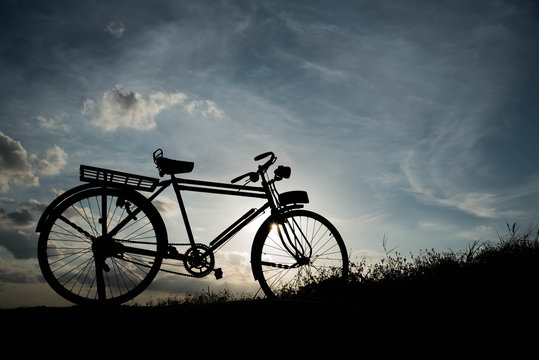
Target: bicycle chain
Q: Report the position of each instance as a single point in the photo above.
(152, 243)
(163, 270)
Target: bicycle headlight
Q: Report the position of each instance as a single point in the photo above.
(283, 172)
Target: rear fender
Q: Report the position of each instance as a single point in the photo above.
(57, 201)
(63, 197)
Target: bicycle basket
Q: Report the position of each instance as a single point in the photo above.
(106, 176)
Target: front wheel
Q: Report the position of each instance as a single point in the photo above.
(295, 249)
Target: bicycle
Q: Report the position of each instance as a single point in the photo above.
(103, 242)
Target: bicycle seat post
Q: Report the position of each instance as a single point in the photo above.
(176, 187)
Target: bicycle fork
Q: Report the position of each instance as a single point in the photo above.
(293, 243)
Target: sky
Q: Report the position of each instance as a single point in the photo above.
(411, 124)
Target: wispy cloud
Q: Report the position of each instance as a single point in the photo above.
(450, 186)
(116, 29)
(54, 124)
(206, 108)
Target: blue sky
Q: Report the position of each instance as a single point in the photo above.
(410, 120)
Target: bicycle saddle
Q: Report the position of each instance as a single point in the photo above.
(168, 166)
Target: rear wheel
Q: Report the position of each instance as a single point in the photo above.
(102, 246)
(295, 249)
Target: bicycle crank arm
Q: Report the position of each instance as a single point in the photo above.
(172, 253)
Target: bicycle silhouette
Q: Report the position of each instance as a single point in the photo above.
(104, 242)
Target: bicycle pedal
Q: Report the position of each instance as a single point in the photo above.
(218, 273)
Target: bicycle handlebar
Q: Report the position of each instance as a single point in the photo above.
(267, 164)
(255, 175)
(266, 154)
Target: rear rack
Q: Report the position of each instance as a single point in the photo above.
(106, 176)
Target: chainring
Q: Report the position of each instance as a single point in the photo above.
(199, 260)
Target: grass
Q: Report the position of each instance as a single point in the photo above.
(486, 274)
(203, 298)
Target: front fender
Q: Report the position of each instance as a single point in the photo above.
(256, 246)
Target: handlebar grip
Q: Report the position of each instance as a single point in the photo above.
(253, 176)
(261, 156)
(235, 180)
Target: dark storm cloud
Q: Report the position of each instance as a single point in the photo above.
(17, 219)
(21, 244)
(14, 164)
(19, 168)
(17, 222)
(13, 155)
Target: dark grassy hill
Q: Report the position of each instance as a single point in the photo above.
(489, 275)
(485, 291)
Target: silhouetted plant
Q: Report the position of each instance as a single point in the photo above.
(204, 297)
(501, 272)
(485, 271)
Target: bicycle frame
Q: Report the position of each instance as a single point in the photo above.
(267, 191)
(215, 188)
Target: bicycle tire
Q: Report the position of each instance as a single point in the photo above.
(72, 253)
(317, 241)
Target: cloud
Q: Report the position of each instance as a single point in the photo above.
(18, 272)
(30, 205)
(237, 279)
(166, 207)
(15, 165)
(56, 160)
(16, 226)
(116, 29)
(19, 168)
(88, 107)
(16, 219)
(206, 108)
(482, 232)
(53, 124)
(132, 110)
(20, 243)
(436, 181)
(427, 187)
